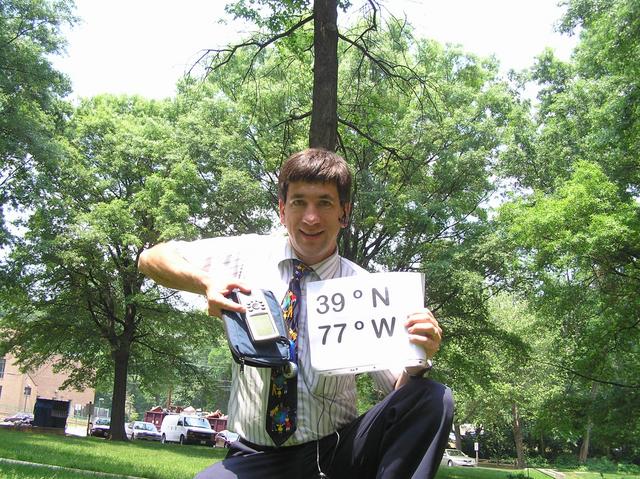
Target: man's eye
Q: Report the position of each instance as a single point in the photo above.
(297, 203)
(326, 204)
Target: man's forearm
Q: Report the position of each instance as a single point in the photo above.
(415, 371)
(403, 378)
(165, 266)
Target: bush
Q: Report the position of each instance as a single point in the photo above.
(517, 475)
(600, 464)
(628, 468)
(567, 461)
(537, 461)
(596, 464)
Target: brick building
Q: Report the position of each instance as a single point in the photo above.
(18, 391)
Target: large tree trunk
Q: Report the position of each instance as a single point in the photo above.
(586, 437)
(121, 344)
(118, 400)
(324, 111)
(456, 430)
(584, 448)
(517, 436)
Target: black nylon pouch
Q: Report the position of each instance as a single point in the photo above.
(264, 354)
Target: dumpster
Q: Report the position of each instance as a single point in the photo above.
(51, 413)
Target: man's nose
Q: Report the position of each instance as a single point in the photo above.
(311, 215)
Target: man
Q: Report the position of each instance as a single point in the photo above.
(402, 437)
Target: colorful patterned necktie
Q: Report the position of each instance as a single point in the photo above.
(283, 393)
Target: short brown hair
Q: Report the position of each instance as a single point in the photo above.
(315, 165)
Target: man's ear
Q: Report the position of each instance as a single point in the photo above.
(281, 207)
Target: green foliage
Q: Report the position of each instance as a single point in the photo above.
(219, 362)
(368, 393)
(76, 295)
(626, 468)
(581, 242)
(30, 92)
(420, 129)
(574, 227)
(577, 248)
(274, 16)
(209, 389)
(421, 138)
(600, 464)
(566, 461)
(537, 462)
(588, 108)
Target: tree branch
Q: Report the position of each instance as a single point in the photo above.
(591, 378)
(227, 53)
(388, 149)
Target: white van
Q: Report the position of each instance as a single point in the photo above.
(186, 429)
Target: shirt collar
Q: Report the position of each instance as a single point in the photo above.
(325, 269)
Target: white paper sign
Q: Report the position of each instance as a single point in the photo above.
(356, 324)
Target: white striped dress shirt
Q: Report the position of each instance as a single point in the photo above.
(325, 403)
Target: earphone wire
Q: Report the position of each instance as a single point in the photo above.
(323, 398)
(321, 474)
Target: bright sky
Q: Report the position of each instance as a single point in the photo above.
(144, 46)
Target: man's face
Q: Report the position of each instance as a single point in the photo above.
(313, 216)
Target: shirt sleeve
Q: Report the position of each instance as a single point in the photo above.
(223, 255)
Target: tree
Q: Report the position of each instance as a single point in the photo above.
(577, 246)
(31, 92)
(287, 21)
(122, 185)
(522, 381)
(420, 142)
(576, 233)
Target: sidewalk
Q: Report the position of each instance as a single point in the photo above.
(552, 473)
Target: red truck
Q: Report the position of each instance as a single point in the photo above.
(156, 415)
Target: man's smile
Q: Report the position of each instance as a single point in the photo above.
(312, 235)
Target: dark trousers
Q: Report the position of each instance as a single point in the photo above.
(402, 437)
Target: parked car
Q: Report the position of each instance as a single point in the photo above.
(101, 427)
(20, 418)
(455, 457)
(225, 438)
(186, 429)
(142, 430)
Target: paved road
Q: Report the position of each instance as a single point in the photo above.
(552, 473)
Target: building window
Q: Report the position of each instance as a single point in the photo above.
(2, 363)
(0, 391)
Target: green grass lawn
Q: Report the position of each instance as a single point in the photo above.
(153, 460)
(487, 473)
(481, 473)
(12, 471)
(597, 475)
(135, 458)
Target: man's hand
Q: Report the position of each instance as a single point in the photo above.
(424, 331)
(216, 293)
